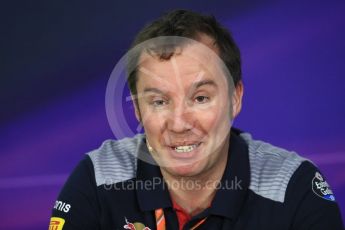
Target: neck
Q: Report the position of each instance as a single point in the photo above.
(195, 193)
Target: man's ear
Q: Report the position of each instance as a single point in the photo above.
(237, 100)
(136, 107)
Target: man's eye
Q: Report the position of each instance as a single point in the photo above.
(201, 99)
(159, 102)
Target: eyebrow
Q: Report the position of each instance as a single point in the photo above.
(195, 85)
(204, 82)
(153, 90)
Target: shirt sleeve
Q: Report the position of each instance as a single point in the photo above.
(313, 200)
(77, 206)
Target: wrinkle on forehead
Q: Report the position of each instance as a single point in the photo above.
(202, 42)
(193, 58)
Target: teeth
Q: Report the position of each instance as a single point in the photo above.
(185, 148)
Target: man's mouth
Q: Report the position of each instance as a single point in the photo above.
(185, 148)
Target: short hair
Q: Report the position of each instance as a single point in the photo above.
(189, 24)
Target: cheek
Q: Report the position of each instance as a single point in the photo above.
(153, 125)
(213, 118)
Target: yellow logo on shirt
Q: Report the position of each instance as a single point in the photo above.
(56, 223)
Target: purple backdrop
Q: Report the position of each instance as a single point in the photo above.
(58, 59)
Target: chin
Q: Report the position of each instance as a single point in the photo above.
(185, 170)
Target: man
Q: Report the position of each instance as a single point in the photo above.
(191, 169)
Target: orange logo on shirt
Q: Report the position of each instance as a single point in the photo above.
(56, 223)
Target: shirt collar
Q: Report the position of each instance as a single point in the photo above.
(152, 192)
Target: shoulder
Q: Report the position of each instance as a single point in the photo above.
(115, 160)
(271, 168)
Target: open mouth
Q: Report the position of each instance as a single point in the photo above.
(185, 148)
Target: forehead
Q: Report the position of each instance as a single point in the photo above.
(190, 62)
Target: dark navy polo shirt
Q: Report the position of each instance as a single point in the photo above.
(263, 187)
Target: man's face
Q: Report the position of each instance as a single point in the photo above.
(185, 109)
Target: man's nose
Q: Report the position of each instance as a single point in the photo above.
(180, 119)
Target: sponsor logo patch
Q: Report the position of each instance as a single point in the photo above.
(62, 206)
(135, 226)
(321, 187)
(56, 223)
